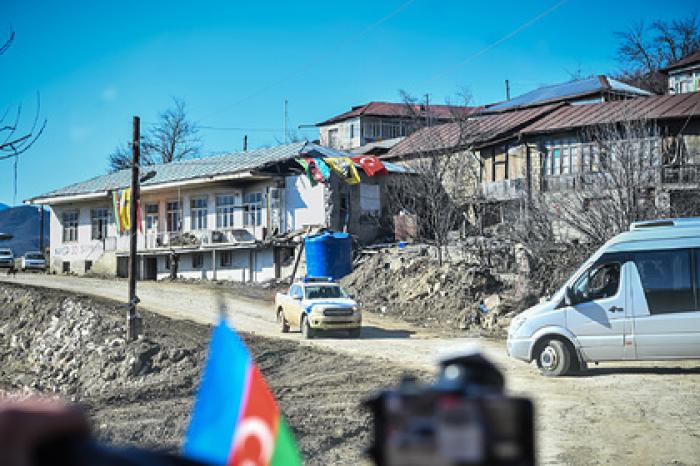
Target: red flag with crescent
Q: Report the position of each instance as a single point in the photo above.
(371, 165)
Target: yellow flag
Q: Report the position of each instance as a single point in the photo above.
(345, 168)
(125, 206)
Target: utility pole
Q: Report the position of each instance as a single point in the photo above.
(245, 143)
(286, 122)
(133, 321)
(427, 109)
(507, 90)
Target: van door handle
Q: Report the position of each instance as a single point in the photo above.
(615, 309)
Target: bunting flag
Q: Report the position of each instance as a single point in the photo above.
(371, 165)
(345, 168)
(125, 205)
(235, 420)
(323, 168)
(121, 201)
(315, 170)
(304, 164)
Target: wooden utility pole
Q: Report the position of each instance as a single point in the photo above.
(41, 229)
(133, 321)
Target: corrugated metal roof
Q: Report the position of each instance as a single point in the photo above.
(402, 110)
(205, 167)
(569, 90)
(692, 59)
(385, 145)
(662, 107)
(476, 131)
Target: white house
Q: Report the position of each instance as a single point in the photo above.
(225, 216)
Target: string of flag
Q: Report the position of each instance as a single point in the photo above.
(318, 169)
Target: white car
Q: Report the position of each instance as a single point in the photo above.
(7, 258)
(636, 298)
(33, 261)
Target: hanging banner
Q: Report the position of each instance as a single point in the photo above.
(345, 168)
(315, 170)
(115, 205)
(371, 165)
(325, 171)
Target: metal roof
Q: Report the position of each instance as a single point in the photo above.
(567, 91)
(201, 168)
(402, 110)
(692, 59)
(383, 145)
(642, 108)
(473, 132)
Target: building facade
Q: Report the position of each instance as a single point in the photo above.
(225, 218)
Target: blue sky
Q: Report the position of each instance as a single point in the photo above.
(96, 64)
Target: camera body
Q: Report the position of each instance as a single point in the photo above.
(464, 418)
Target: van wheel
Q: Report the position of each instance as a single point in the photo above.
(554, 358)
(306, 329)
(282, 322)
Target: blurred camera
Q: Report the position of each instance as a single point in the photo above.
(464, 418)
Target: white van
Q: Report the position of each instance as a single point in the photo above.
(636, 298)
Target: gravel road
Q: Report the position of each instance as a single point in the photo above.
(621, 413)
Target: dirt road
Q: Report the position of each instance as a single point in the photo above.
(623, 413)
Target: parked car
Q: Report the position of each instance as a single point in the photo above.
(315, 305)
(636, 298)
(33, 260)
(7, 258)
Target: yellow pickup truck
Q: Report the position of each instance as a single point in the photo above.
(315, 305)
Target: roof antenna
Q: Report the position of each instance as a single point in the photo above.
(507, 90)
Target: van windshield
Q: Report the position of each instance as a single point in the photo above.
(34, 256)
(5, 252)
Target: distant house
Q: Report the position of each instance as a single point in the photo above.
(226, 217)
(380, 121)
(684, 75)
(595, 89)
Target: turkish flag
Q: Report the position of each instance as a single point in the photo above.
(371, 165)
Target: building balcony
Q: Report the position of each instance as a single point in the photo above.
(504, 190)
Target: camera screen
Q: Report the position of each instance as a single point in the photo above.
(447, 429)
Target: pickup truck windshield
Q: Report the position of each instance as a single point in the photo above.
(34, 256)
(5, 252)
(324, 292)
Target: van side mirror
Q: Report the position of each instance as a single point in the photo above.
(568, 296)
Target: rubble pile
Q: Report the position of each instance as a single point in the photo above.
(415, 288)
(75, 347)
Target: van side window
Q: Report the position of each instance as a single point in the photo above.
(600, 282)
(666, 279)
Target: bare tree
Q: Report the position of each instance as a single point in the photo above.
(15, 138)
(173, 138)
(444, 174)
(643, 50)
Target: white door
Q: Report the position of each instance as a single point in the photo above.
(599, 317)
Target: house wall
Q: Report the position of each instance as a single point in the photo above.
(304, 204)
(685, 80)
(247, 265)
(348, 134)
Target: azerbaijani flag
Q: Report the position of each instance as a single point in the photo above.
(236, 420)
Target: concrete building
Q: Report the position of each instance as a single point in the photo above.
(380, 121)
(684, 75)
(225, 217)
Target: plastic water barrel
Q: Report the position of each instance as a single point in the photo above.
(328, 254)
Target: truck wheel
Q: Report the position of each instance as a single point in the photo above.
(355, 332)
(554, 358)
(306, 329)
(282, 322)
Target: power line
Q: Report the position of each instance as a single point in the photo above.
(503, 39)
(302, 70)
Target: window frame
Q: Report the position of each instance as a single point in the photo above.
(70, 238)
(199, 213)
(102, 227)
(170, 217)
(199, 263)
(253, 209)
(226, 211)
(620, 261)
(693, 265)
(223, 255)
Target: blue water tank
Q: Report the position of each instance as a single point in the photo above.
(328, 254)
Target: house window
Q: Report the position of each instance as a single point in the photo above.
(152, 217)
(351, 130)
(198, 213)
(226, 259)
(197, 260)
(99, 218)
(253, 209)
(333, 137)
(225, 207)
(70, 226)
(174, 216)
